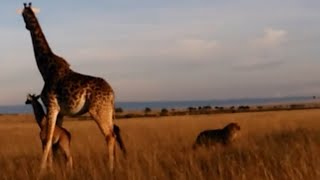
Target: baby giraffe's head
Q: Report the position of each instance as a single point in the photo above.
(31, 98)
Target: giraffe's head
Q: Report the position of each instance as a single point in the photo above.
(32, 98)
(29, 17)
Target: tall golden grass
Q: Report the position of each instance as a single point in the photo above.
(272, 145)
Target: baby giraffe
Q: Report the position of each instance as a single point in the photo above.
(61, 137)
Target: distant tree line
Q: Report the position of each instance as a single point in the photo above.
(148, 112)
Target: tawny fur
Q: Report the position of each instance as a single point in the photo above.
(223, 136)
(61, 137)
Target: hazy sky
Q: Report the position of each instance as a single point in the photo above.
(170, 50)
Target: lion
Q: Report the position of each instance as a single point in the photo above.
(218, 136)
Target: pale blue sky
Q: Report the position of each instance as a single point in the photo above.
(170, 50)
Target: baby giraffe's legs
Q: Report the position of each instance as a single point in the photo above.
(64, 145)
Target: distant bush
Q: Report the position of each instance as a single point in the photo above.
(179, 113)
(147, 110)
(164, 112)
(207, 107)
(297, 106)
(220, 108)
(129, 116)
(243, 107)
(119, 110)
(132, 115)
(277, 107)
(192, 109)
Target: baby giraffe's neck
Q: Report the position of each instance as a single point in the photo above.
(39, 114)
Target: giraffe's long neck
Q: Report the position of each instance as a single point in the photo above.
(51, 66)
(38, 113)
(40, 45)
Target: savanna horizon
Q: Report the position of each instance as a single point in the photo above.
(272, 145)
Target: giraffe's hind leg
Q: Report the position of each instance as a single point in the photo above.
(103, 115)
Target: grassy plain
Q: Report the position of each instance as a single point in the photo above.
(272, 145)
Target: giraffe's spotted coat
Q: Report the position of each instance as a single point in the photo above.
(67, 92)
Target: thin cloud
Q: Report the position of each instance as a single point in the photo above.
(192, 48)
(271, 38)
(263, 52)
(183, 49)
(259, 66)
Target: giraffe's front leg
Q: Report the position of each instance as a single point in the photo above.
(52, 114)
(50, 156)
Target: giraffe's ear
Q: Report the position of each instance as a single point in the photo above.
(29, 96)
(19, 11)
(35, 10)
(30, 4)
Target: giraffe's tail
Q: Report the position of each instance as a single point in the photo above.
(116, 130)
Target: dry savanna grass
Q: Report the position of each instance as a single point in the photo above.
(272, 145)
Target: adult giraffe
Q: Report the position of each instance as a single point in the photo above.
(67, 92)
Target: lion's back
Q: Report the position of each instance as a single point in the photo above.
(208, 137)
